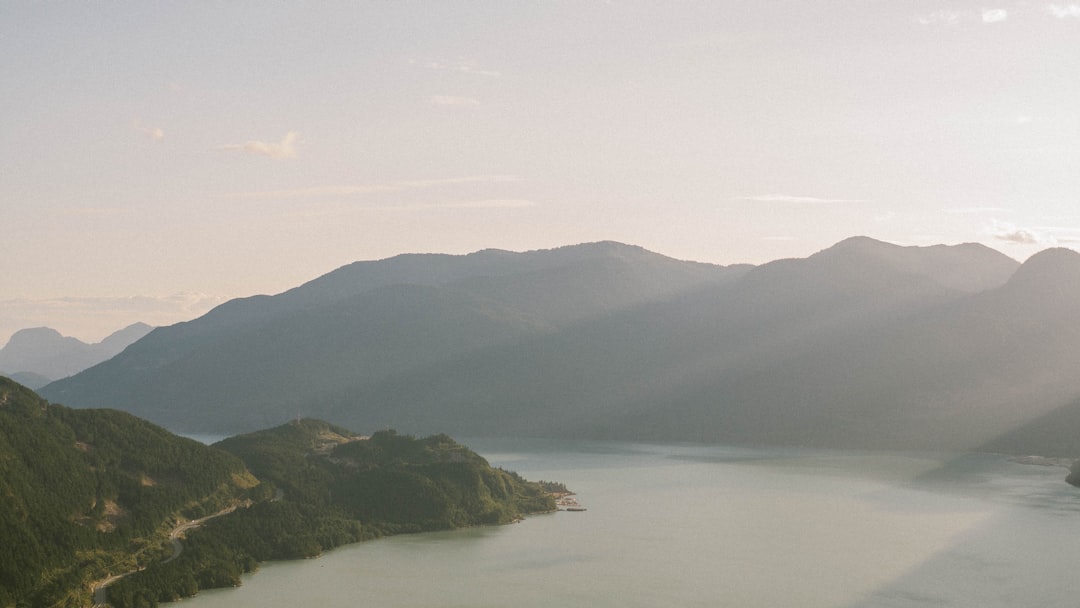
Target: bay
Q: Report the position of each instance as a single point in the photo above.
(679, 525)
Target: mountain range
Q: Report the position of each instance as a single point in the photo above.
(34, 357)
(864, 344)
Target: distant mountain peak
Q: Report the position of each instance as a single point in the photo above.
(862, 242)
(968, 267)
(1055, 266)
(38, 338)
(45, 353)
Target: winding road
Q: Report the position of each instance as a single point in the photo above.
(100, 587)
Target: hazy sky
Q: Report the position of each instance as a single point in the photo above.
(158, 157)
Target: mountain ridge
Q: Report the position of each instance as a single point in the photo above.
(862, 344)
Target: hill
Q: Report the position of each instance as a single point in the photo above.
(88, 492)
(39, 355)
(93, 493)
(864, 344)
(324, 486)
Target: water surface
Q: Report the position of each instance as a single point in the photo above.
(672, 525)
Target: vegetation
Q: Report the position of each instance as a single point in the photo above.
(93, 493)
(87, 492)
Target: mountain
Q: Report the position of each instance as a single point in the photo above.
(47, 355)
(91, 494)
(266, 357)
(863, 344)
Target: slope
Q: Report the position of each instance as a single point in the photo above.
(658, 370)
(360, 325)
(87, 492)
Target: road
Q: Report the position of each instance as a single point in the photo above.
(100, 587)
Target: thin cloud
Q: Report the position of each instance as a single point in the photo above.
(286, 148)
(349, 191)
(91, 211)
(949, 18)
(498, 203)
(941, 17)
(154, 133)
(453, 100)
(799, 200)
(1010, 233)
(462, 65)
(975, 210)
(1062, 11)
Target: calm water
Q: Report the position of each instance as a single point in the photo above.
(716, 526)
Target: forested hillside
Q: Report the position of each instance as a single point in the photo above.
(89, 492)
(93, 493)
(323, 486)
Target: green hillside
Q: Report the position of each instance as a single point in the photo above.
(88, 494)
(323, 486)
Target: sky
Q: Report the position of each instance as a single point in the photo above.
(159, 158)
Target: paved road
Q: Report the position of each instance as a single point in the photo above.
(175, 535)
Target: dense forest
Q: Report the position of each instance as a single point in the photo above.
(94, 493)
(87, 493)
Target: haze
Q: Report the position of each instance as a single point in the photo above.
(160, 158)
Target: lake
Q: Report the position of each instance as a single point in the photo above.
(678, 525)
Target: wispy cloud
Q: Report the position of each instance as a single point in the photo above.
(1061, 11)
(975, 210)
(948, 18)
(286, 148)
(941, 17)
(347, 191)
(1008, 232)
(453, 100)
(462, 65)
(799, 200)
(154, 133)
(498, 203)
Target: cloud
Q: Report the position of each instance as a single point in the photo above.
(154, 133)
(92, 211)
(462, 65)
(453, 100)
(942, 17)
(284, 149)
(1061, 11)
(950, 18)
(800, 200)
(1008, 232)
(975, 210)
(349, 191)
(498, 203)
